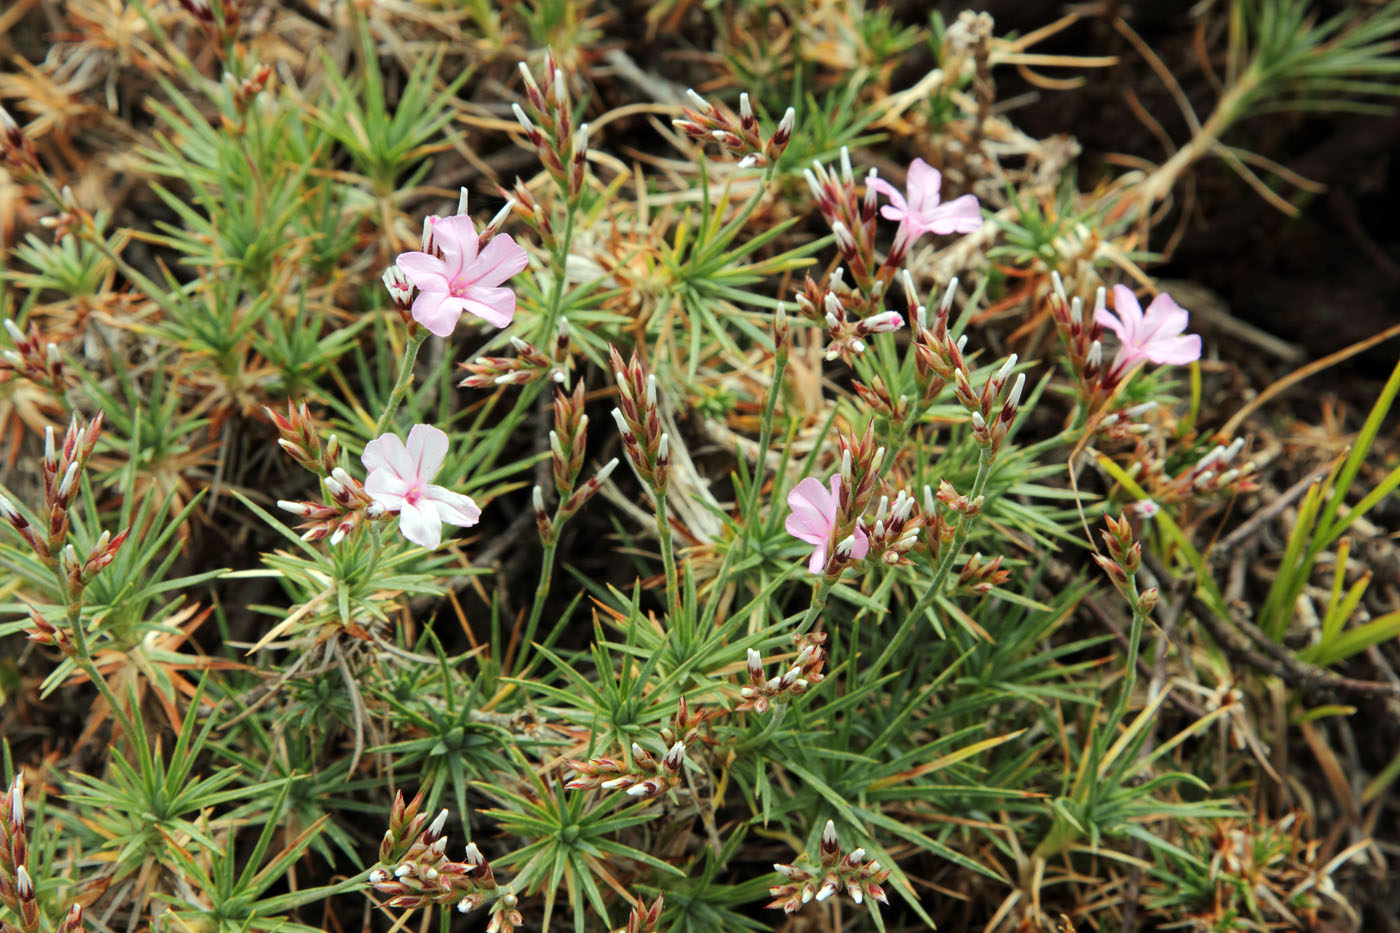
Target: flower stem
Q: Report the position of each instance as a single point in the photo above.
(82, 657)
(402, 382)
(765, 437)
(960, 535)
(541, 594)
(668, 561)
(818, 604)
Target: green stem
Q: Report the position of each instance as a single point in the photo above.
(1134, 646)
(818, 604)
(83, 658)
(402, 382)
(541, 594)
(765, 437)
(960, 535)
(769, 728)
(556, 288)
(668, 562)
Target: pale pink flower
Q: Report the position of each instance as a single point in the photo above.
(1157, 335)
(922, 212)
(399, 478)
(464, 279)
(813, 519)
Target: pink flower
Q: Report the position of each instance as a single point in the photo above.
(813, 519)
(463, 279)
(398, 480)
(922, 212)
(1156, 335)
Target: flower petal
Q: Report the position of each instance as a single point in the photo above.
(387, 453)
(1164, 319)
(386, 489)
(1129, 312)
(427, 446)
(429, 273)
(501, 259)
(923, 184)
(817, 562)
(805, 527)
(421, 524)
(495, 306)
(1107, 318)
(861, 547)
(1176, 351)
(811, 498)
(438, 312)
(960, 215)
(456, 237)
(453, 507)
(897, 201)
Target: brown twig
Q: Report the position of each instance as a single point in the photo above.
(1248, 643)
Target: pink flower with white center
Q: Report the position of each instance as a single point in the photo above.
(1157, 336)
(464, 279)
(923, 212)
(398, 480)
(813, 519)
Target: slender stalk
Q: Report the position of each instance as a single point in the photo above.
(402, 382)
(668, 561)
(83, 658)
(541, 594)
(765, 437)
(770, 728)
(960, 535)
(553, 310)
(819, 596)
(1134, 646)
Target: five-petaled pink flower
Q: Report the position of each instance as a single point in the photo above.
(922, 212)
(463, 279)
(398, 480)
(813, 519)
(1157, 335)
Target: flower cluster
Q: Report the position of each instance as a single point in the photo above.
(567, 442)
(839, 872)
(16, 151)
(831, 520)
(1123, 562)
(804, 671)
(530, 364)
(400, 480)
(455, 273)
(740, 134)
(17, 890)
(414, 870)
(39, 362)
(647, 775)
(638, 420)
(918, 210)
(1154, 336)
(547, 119)
(297, 434)
(62, 474)
(846, 336)
(895, 531)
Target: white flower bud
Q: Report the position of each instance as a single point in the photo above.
(786, 124)
(602, 475)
